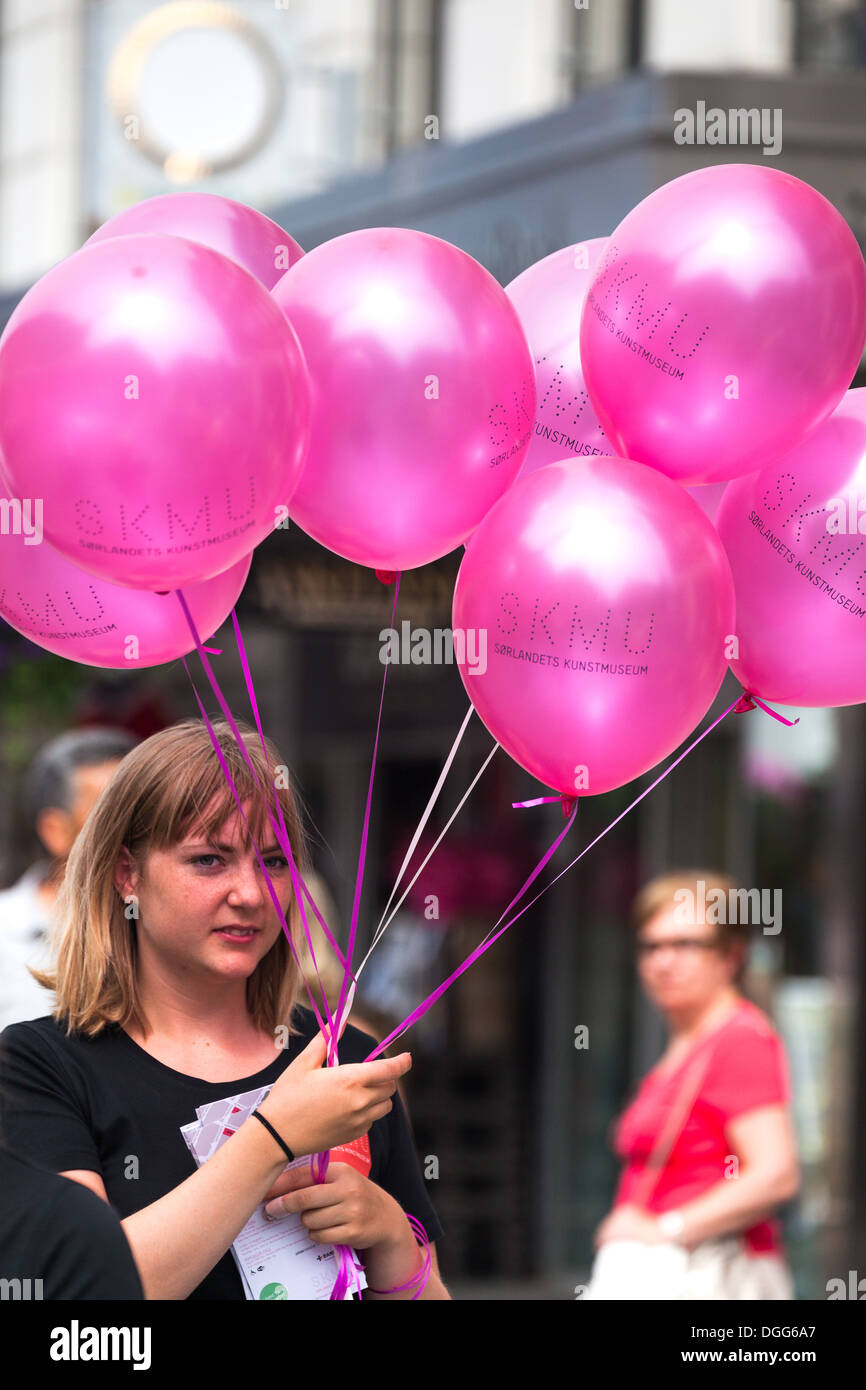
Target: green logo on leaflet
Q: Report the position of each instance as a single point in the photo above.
(274, 1291)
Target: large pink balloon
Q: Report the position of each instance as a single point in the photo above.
(605, 598)
(549, 297)
(725, 320)
(795, 534)
(423, 394)
(63, 609)
(157, 401)
(244, 235)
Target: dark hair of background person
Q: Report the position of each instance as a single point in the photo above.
(49, 781)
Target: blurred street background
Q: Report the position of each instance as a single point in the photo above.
(511, 129)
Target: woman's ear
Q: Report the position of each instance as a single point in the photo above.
(126, 873)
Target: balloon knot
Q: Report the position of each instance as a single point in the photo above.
(386, 576)
(568, 805)
(744, 703)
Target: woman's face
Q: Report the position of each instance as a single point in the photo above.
(681, 967)
(204, 909)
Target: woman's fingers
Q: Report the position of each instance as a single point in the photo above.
(382, 1071)
(374, 1095)
(321, 1194)
(333, 1235)
(379, 1110)
(320, 1219)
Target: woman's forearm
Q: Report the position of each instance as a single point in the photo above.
(177, 1240)
(735, 1203)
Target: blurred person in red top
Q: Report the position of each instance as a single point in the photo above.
(691, 960)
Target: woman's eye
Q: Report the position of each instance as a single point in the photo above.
(208, 861)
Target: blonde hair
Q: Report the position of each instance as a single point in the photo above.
(157, 796)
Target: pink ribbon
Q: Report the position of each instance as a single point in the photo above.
(567, 802)
(748, 701)
(742, 703)
(348, 1262)
(349, 1265)
(418, 1281)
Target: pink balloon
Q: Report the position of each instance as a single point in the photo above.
(725, 320)
(549, 297)
(708, 497)
(795, 534)
(239, 232)
(157, 401)
(423, 394)
(604, 598)
(65, 610)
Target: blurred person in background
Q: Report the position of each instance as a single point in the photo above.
(707, 1143)
(62, 784)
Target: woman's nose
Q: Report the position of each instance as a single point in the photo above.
(246, 885)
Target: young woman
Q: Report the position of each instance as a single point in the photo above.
(176, 986)
(717, 1101)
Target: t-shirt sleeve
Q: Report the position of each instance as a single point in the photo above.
(401, 1172)
(86, 1252)
(748, 1071)
(43, 1106)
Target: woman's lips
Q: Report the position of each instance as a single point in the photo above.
(241, 936)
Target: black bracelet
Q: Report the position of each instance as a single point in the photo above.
(282, 1143)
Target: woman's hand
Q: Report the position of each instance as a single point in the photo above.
(315, 1108)
(345, 1209)
(629, 1223)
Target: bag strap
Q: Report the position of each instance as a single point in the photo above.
(678, 1117)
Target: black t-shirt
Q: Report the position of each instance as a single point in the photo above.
(106, 1105)
(57, 1232)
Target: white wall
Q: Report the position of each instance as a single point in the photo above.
(40, 122)
(747, 35)
(502, 63)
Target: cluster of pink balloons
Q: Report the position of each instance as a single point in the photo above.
(711, 337)
(155, 406)
(190, 378)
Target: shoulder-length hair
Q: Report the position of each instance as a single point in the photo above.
(168, 786)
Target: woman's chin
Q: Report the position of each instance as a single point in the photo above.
(231, 964)
(672, 999)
